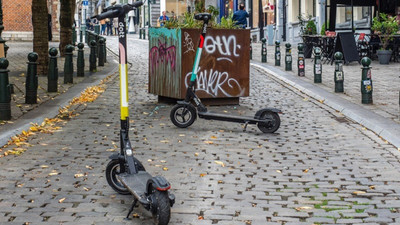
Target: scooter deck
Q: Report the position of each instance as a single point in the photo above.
(136, 183)
(225, 117)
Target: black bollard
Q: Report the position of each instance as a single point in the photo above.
(80, 36)
(52, 77)
(92, 57)
(339, 75)
(74, 37)
(5, 92)
(101, 51)
(80, 65)
(366, 81)
(68, 65)
(31, 84)
(105, 50)
(301, 62)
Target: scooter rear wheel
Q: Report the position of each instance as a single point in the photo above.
(162, 212)
(183, 116)
(272, 125)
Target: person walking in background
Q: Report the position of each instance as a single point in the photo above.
(240, 16)
(109, 27)
(163, 18)
(115, 25)
(103, 26)
(49, 27)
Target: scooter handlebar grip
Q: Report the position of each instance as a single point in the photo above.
(136, 4)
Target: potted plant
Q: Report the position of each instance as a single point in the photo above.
(308, 27)
(385, 27)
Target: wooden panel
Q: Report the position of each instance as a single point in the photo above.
(165, 62)
(224, 65)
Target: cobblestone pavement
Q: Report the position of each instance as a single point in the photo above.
(319, 168)
(18, 56)
(385, 78)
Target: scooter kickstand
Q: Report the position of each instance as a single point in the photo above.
(131, 209)
(245, 126)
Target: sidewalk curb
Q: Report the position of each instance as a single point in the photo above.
(385, 128)
(50, 108)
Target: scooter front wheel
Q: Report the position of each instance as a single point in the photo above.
(112, 171)
(183, 116)
(162, 211)
(273, 123)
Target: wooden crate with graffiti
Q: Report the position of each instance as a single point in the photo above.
(224, 66)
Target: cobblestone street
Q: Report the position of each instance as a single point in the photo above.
(318, 168)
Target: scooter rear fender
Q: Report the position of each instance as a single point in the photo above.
(159, 183)
(259, 112)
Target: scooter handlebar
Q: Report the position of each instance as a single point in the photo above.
(117, 10)
(109, 14)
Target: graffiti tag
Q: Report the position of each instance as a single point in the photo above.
(188, 43)
(212, 83)
(226, 46)
(162, 55)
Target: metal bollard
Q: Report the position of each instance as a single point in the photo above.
(68, 65)
(5, 92)
(74, 37)
(300, 61)
(92, 56)
(101, 52)
(339, 75)
(31, 84)
(80, 65)
(140, 33)
(87, 37)
(277, 53)
(366, 81)
(251, 51)
(105, 50)
(144, 33)
(52, 77)
(97, 28)
(317, 65)
(288, 57)
(264, 50)
(80, 36)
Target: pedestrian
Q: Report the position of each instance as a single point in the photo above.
(109, 27)
(115, 25)
(163, 18)
(240, 16)
(103, 26)
(49, 27)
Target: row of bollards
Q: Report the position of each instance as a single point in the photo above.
(31, 84)
(366, 79)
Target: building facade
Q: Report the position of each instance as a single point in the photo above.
(17, 19)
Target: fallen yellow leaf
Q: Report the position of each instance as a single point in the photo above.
(220, 163)
(61, 200)
(202, 174)
(359, 192)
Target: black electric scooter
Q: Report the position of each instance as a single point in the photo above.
(183, 114)
(124, 173)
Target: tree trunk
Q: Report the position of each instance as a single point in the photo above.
(40, 34)
(66, 22)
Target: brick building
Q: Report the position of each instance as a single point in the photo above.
(17, 19)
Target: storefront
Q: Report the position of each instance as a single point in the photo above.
(357, 14)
